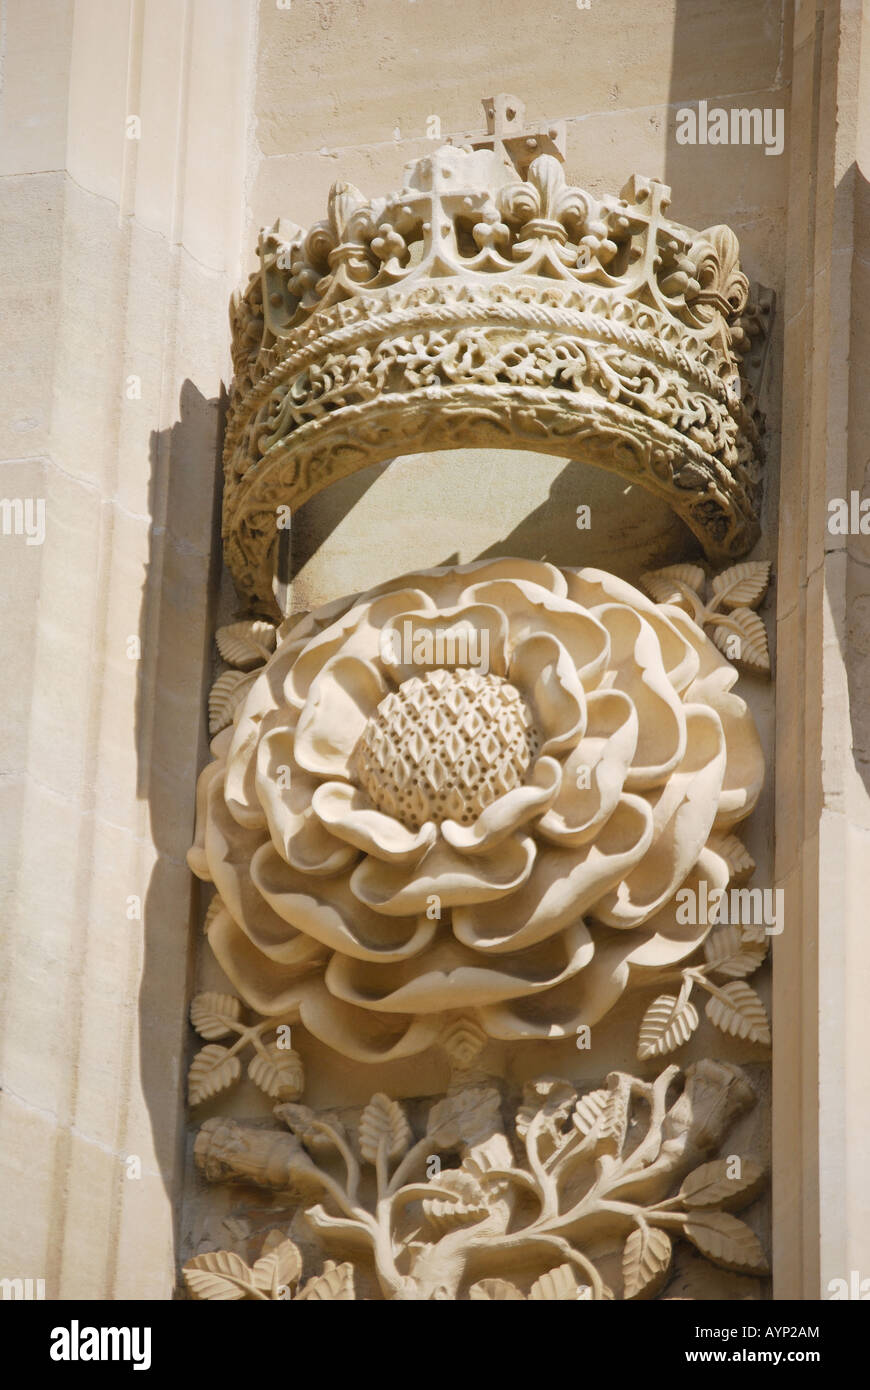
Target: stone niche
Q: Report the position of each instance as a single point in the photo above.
(481, 1008)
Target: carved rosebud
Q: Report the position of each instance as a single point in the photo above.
(225, 1151)
(715, 1095)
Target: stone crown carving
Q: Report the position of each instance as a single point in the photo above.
(490, 302)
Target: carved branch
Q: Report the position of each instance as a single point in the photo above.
(472, 1218)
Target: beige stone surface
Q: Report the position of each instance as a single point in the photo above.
(118, 259)
(821, 972)
(460, 505)
(618, 97)
(338, 951)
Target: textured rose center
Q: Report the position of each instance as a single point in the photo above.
(444, 746)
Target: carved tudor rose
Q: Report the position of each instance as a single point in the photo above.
(397, 835)
(468, 804)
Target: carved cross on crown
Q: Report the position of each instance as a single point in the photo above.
(507, 134)
(438, 198)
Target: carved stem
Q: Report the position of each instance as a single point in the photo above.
(350, 1163)
(409, 1163)
(546, 1183)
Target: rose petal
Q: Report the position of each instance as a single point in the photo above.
(220, 744)
(263, 983)
(355, 633)
(272, 991)
(361, 1034)
(508, 812)
(469, 636)
(604, 754)
(593, 588)
(531, 611)
(744, 770)
(196, 856)
(563, 885)
(327, 910)
(636, 660)
(683, 812)
(561, 1011)
(664, 941)
(541, 668)
(540, 573)
(449, 584)
(446, 875)
(262, 709)
(349, 814)
(450, 977)
(230, 852)
(285, 792)
(341, 700)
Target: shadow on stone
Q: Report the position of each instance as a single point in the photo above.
(176, 626)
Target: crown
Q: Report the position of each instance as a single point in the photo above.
(489, 302)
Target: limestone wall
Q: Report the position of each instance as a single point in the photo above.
(121, 243)
(118, 258)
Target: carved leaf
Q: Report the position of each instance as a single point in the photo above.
(383, 1122)
(444, 1215)
(558, 1285)
(219, 1275)
(736, 856)
(742, 586)
(495, 1289)
(667, 1024)
(246, 644)
(588, 1109)
(479, 1163)
(209, 1014)
(753, 650)
(613, 1124)
(279, 1075)
(280, 1265)
(646, 1260)
(664, 585)
(468, 1116)
(711, 1186)
(274, 1238)
(754, 933)
(728, 954)
(742, 1016)
(211, 1071)
(227, 693)
(726, 1241)
(333, 1284)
